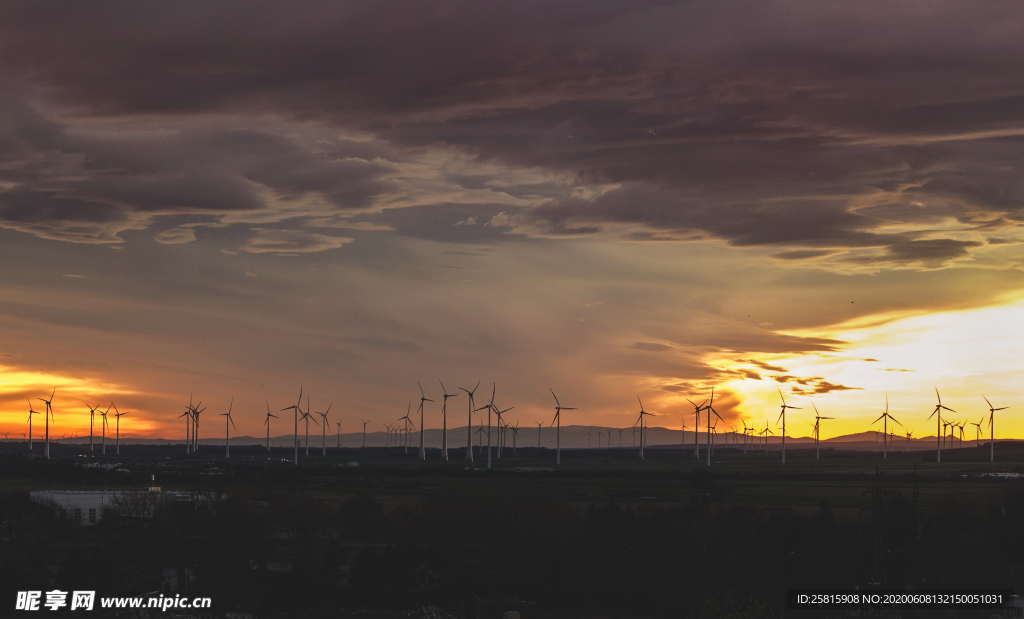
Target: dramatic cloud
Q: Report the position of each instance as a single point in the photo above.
(825, 131)
(610, 196)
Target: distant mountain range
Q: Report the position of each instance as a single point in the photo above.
(572, 437)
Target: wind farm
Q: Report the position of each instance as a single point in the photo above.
(497, 430)
(817, 475)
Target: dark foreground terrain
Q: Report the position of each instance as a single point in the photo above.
(378, 534)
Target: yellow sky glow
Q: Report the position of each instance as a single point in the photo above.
(966, 354)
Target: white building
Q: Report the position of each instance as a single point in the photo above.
(83, 507)
(87, 507)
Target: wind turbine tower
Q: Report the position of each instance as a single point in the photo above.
(992, 429)
(470, 404)
(423, 399)
(229, 421)
(266, 422)
(697, 408)
(709, 409)
(295, 408)
(640, 420)
(782, 416)
(884, 418)
(817, 431)
(939, 429)
(30, 413)
(117, 429)
(47, 415)
(323, 429)
(444, 419)
(557, 421)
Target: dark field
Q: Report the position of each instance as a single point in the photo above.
(606, 535)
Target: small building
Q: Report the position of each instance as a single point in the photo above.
(87, 507)
(83, 507)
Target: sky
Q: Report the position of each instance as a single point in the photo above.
(607, 198)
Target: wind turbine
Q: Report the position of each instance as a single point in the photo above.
(746, 435)
(188, 425)
(364, 432)
(977, 430)
(323, 429)
(228, 419)
(338, 423)
(198, 410)
(640, 420)
(884, 418)
(498, 412)
(937, 413)
(307, 416)
(423, 399)
(30, 413)
(470, 403)
(697, 408)
(266, 422)
(92, 417)
(557, 421)
(711, 439)
(817, 431)
(992, 428)
(682, 433)
(782, 416)
(117, 429)
(46, 417)
(710, 408)
(540, 424)
(444, 419)
(406, 422)
(766, 433)
(515, 438)
(103, 426)
(295, 432)
(489, 407)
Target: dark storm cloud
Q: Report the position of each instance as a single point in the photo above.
(762, 123)
(63, 183)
